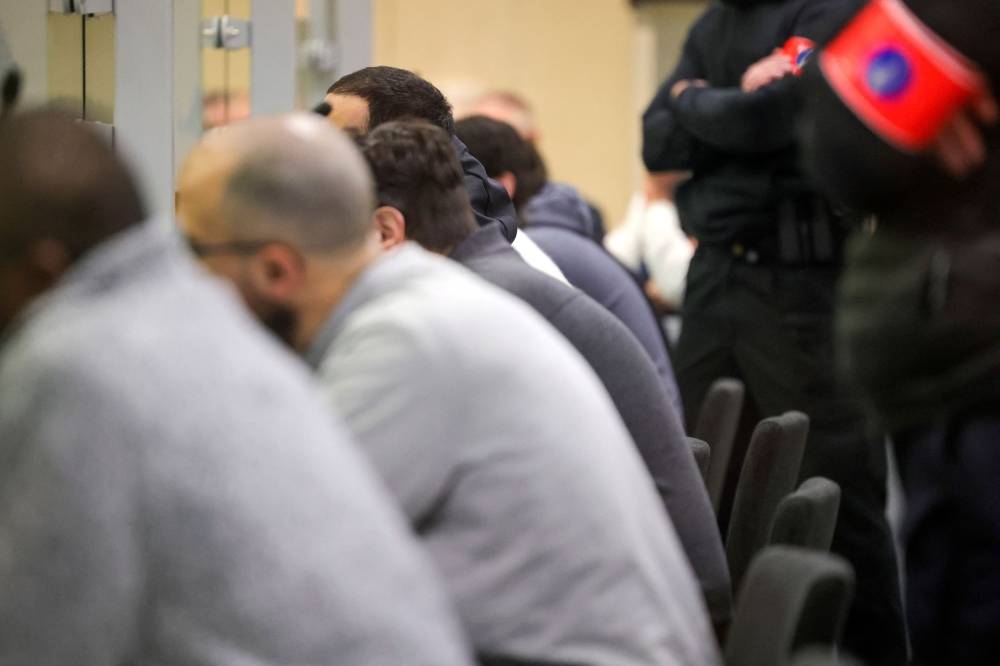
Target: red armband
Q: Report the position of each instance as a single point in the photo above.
(798, 50)
(899, 77)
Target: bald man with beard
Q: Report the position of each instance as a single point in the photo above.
(510, 462)
(171, 489)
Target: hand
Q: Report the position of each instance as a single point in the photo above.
(660, 186)
(766, 71)
(661, 305)
(960, 147)
(684, 84)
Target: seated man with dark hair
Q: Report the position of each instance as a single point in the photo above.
(421, 198)
(558, 217)
(363, 100)
(172, 490)
(509, 459)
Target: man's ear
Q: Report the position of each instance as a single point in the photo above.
(509, 182)
(391, 226)
(278, 272)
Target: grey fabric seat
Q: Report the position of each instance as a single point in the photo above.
(702, 455)
(792, 597)
(717, 423)
(807, 517)
(770, 471)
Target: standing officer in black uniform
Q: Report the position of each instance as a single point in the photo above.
(760, 294)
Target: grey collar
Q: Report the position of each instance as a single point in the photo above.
(381, 277)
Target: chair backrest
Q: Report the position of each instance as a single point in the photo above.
(807, 517)
(791, 598)
(717, 423)
(770, 471)
(702, 455)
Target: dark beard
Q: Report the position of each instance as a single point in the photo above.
(282, 321)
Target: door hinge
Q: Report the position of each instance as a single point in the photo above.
(225, 32)
(83, 7)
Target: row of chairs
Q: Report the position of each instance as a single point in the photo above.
(791, 592)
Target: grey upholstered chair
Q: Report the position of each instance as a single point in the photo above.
(770, 471)
(717, 423)
(807, 517)
(792, 597)
(702, 455)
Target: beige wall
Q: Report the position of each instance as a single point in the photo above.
(661, 29)
(588, 66)
(573, 59)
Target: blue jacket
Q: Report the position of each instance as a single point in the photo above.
(560, 222)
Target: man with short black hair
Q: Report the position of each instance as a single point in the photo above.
(390, 93)
(421, 198)
(171, 489)
(363, 100)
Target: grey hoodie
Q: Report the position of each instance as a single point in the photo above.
(171, 491)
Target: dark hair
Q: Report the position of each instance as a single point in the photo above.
(393, 94)
(501, 149)
(61, 181)
(417, 172)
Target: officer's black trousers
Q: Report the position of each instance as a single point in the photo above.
(771, 326)
(951, 475)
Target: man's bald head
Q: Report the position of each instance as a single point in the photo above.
(291, 178)
(508, 107)
(281, 207)
(61, 183)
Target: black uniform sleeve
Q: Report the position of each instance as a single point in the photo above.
(737, 122)
(764, 120)
(852, 164)
(848, 162)
(666, 146)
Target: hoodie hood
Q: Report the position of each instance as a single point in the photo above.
(560, 205)
(489, 199)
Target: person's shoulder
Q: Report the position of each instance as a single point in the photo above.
(431, 305)
(819, 20)
(707, 19)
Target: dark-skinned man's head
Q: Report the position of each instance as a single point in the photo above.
(62, 192)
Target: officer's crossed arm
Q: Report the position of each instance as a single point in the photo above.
(735, 121)
(666, 145)
(758, 116)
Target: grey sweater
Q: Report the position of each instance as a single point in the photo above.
(171, 491)
(508, 456)
(630, 378)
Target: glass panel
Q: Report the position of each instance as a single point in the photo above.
(238, 73)
(99, 77)
(215, 100)
(225, 74)
(65, 61)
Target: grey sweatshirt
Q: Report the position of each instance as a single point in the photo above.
(171, 490)
(509, 458)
